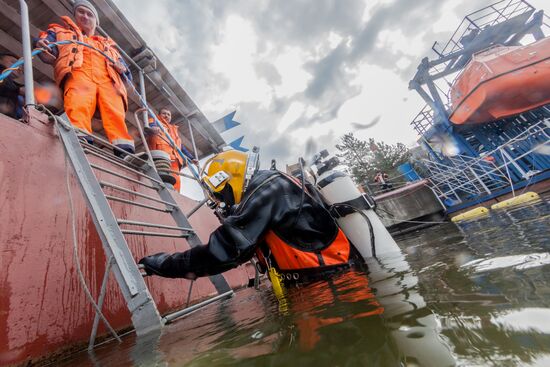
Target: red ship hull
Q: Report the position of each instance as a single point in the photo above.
(43, 309)
(502, 82)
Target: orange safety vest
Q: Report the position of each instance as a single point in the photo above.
(289, 257)
(161, 142)
(71, 55)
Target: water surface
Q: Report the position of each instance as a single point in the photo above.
(476, 294)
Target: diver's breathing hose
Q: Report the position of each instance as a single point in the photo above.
(37, 51)
(371, 229)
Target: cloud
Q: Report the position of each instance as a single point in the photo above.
(313, 54)
(358, 126)
(305, 22)
(328, 72)
(268, 72)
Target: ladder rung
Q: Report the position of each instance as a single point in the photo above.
(171, 317)
(119, 188)
(122, 176)
(105, 143)
(144, 224)
(122, 166)
(114, 198)
(155, 234)
(108, 154)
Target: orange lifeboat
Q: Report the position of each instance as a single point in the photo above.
(502, 81)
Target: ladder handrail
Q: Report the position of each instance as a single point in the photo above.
(144, 313)
(26, 42)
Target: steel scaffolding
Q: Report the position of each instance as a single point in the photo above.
(486, 157)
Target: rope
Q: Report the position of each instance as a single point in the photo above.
(76, 258)
(530, 178)
(527, 185)
(414, 221)
(35, 52)
(508, 173)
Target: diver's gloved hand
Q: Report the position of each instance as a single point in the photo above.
(176, 265)
(153, 264)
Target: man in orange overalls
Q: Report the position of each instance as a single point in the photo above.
(88, 79)
(158, 141)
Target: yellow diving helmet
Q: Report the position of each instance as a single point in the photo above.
(227, 174)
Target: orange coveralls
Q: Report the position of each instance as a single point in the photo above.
(89, 81)
(160, 142)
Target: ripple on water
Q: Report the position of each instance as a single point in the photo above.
(473, 294)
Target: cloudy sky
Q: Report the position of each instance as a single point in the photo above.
(301, 73)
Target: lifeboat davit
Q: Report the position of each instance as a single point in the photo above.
(502, 81)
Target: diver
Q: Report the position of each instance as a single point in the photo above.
(264, 212)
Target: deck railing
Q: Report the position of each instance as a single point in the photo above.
(461, 177)
(488, 16)
(423, 121)
(26, 37)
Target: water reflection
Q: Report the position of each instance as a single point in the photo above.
(525, 319)
(476, 294)
(488, 283)
(414, 328)
(518, 262)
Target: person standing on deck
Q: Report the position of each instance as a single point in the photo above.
(87, 78)
(382, 179)
(157, 141)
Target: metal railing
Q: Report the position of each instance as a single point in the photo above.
(26, 41)
(463, 177)
(488, 16)
(423, 121)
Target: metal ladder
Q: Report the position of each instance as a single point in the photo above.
(144, 313)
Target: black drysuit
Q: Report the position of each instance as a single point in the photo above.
(271, 201)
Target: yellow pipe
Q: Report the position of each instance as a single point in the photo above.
(521, 199)
(471, 214)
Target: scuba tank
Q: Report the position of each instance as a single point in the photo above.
(353, 211)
